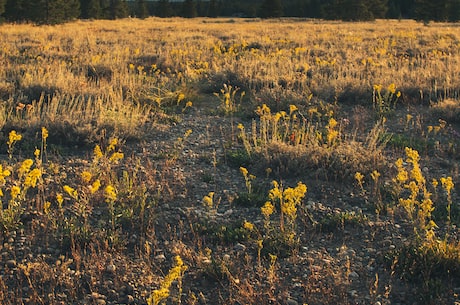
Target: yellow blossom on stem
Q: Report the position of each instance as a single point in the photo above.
(59, 199)
(86, 176)
(113, 143)
(267, 209)
(71, 191)
(447, 184)
(392, 88)
(248, 225)
(3, 174)
(116, 156)
(32, 178)
(25, 167)
(292, 109)
(13, 137)
(93, 188)
(208, 200)
(15, 191)
(44, 133)
(97, 152)
(110, 193)
(46, 207)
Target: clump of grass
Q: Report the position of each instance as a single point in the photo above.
(427, 258)
(447, 109)
(291, 143)
(338, 221)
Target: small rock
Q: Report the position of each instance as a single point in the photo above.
(11, 263)
(353, 275)
(160, 257)
(129, 299)
(353, 293)
(239, 247)
(110, 268)
(291, 302)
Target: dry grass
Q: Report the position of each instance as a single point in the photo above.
(93, 82)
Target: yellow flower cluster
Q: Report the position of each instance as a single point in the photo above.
(71, 191)
(175, 274)
(267, 209)
(13, 137)
(208, 200)
(288, 200)
(32, 178)
(25, 167)
(248, 225)
(15, 192)
(447, 184)
(3, 173)
(110, 194)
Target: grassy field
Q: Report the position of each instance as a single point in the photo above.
(230, 161)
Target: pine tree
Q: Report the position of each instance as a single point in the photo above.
(189, 9)
(378, 8)
(15, 10)
(164, 9)
(425, 10)
(118, 9)
(454, 11)
(90, 9)
(141, 9)
(2, 7)
(271, 9)
(212, 11)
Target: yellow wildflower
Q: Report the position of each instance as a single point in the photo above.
(331, 135)
(97, 152)
(412, 155)
(392, 88)
(3, 174)
(59, 199)
(248, 225)
(378, 88)
(267, 209)
(71, 191)
(86, 176)
(208, 200)
(434, 182)
(359, 178)
(15, 191)
(46, 207)
(447, 184)
(44, 133)
(25, 167)
(110, 193)
(375, 175)
(408, 118)
(116, 156)
(402, 176)
(13, 137)
(113, 143)
(332, 123)
(37, 153)
(93, 188)
(244, 171)
(32, 178)
(292, 109)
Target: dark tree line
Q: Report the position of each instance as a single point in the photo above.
(56, 11)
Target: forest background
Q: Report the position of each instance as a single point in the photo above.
(58, 11)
